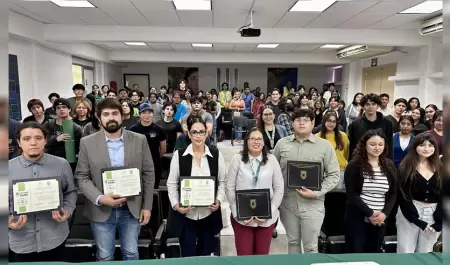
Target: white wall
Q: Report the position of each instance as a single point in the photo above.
(41, 71)
(256, 75)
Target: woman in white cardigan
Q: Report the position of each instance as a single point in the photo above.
(254, 168)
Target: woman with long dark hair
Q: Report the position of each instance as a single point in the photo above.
(354, 109)
(303, 102)
(430, 109)
(318, 108)
(437, 123)
(284, 119)
(419, 221)
(254, 168)
(418, 116)
(413, 103)
(371, 188)
(257, 105)
(403, 139)
(339, 140)
(272, 132)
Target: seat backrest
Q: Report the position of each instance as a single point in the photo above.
(251, 123)
(335, 207)
(156, 218)
(240, 121)
(226, 116)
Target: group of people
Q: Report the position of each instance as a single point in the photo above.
(370, 151)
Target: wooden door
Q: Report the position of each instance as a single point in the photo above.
(372, 80)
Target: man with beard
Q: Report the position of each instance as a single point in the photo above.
(114, 147)
(39, 237)
(197, 110)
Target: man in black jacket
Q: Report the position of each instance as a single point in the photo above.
(370, 120)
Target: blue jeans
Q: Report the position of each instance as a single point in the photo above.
(105, 235)
(238, 135)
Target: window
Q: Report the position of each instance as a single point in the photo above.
(77, 74)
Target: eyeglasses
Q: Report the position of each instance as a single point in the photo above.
(302, 120)
(254, 139)
(331, 121)
(198, 133)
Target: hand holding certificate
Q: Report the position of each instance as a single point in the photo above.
(197, 191)
(36, 195)
(124, 182)
(253, 205)
(304, 174)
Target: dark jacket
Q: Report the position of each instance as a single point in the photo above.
(359, 127)
(394, 121)
(56, 148)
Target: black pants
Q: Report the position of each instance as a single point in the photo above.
(56, 254)
(197, 237)
(363, 237)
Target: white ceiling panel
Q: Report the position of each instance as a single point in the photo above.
(161, 47)
(142, 48)
(124, 12)
(93, 16)
(269, 12)
(396, 21)
(410, 26)
(196, 18)
(338, 13)
(221, 47)
(392, 7)
(244, 47)
(182, 47)
(27, 13)
(286, 47)
(307, 47)
(230, 13)
(297, 19)
(158, 12)
(113, 45)
(52, 12)
(362, 20)
(203, 49)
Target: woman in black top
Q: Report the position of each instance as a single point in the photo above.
(418, 116)
(419, 221)
(271, 132)
(128, 118)
(371, 188)
(82, 113)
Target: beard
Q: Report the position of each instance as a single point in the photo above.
(112, 126)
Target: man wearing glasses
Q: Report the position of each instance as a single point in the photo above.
(302, 210)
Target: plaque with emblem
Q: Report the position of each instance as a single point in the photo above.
(253, 203)
(306, 174)
(197, 191)
(36, 195)
(122, 181)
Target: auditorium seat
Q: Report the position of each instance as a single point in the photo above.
(332, 239)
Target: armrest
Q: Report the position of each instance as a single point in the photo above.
(161, 230)
(322, 235)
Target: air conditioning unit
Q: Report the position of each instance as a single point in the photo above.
(431, 26)
(362, 51)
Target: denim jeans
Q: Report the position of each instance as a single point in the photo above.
(105, 235)
(410, 237)
(238, 134)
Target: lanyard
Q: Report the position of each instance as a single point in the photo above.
(271, 138)
(255, 173)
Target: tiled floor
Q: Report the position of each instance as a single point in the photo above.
(278, 246)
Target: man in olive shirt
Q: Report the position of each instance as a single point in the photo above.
(39, 237)
(302, 210)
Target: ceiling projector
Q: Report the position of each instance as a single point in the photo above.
(250, 32)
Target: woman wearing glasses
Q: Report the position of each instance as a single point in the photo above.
(271, 132)
(254, 168)
(196, 227)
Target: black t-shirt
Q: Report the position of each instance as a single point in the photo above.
(33, 119)
(171, 129)
(128, 123)
(155, 135)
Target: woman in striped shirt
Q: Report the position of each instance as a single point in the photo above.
(371, 187)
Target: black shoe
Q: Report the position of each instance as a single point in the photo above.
(274, 234)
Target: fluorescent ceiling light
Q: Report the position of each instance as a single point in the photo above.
(332, 46)
(267, 46)
(77, 3)
(312, 5)
(426, 7)
(192, 4)
(202, 45)
(135, 43)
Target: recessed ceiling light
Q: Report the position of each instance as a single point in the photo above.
(312, 5)
(267, 46)
(426, 7)
(202, 45)
(135, 43)
(78, 3)
(192, 4)
(332, 46)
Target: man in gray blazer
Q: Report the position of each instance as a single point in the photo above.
(114, 147)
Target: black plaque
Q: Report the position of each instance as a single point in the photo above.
(253, 203)
(306, 174)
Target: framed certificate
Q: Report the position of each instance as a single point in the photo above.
(122, 181)
(253, 203)
(306, 174)
(36, 195)
(197, 191)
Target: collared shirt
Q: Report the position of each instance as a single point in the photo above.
(248, 101)
(197, 170)
(386, 111)
(311, 149)
(116, 151)
(41, 232)
(240, 176)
